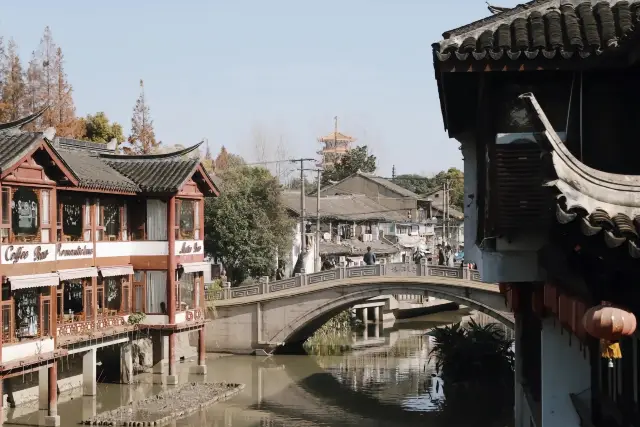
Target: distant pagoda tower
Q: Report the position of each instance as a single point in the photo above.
(336, 144)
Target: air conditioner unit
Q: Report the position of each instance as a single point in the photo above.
(326, 236)
(367, 238)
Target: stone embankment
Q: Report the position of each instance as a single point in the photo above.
(166, 406)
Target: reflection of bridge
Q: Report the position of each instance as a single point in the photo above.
(289, 311)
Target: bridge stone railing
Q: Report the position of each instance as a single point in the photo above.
(382, 269)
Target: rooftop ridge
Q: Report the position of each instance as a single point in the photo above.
(79, 145)
(23, 121)
(159, 156)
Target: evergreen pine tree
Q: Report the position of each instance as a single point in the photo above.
(142, 139)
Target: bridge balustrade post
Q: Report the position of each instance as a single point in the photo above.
(264, 282)
(383, 267)
(465, 272)
(226, 290)
(343, 270)
(422, 269)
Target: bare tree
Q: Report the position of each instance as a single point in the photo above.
(272, 151)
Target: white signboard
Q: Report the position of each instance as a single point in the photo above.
(76, 250)
(189, 247)
(24, 254)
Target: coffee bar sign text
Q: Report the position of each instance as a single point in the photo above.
(22, 254)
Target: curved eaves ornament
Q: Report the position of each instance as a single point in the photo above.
(584, 187)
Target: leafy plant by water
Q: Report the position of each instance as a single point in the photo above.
(476, 365)
(334, 337)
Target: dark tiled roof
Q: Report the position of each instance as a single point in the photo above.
(356, 247)
(94, 173)
(543, 28)
(14, 145)
(156, 172)
(380, 181)
(345, 208)
(616, 230)
(391, 186)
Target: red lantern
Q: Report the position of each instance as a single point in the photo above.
(609, 323)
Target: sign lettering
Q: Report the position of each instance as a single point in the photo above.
(70, 251)
(27, 253)
(189, 248)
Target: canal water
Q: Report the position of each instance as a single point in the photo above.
(384, 378)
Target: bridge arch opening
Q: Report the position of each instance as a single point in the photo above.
(297, 332)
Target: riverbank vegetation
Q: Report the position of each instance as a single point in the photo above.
(476, 365)
(334, 337)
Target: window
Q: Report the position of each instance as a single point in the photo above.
(156, 220)
(111, 218)
(25, 214)
(70, 213)
(187, 291)
(156, 292)
(138, 291)
(188, 219)
(113, 292)
(6, 215)
(111, 223)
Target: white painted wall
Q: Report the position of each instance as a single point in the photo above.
(26, 349)
(295, 252)
(119, 249)
(181, 317)
(156, 319)
(565, 369)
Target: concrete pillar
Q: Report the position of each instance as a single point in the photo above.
(43, 388)
(377, 327)
(53, 419)
(126, 363)
(565, 371)
(172, 378)
(201, 368)
(89, 370)
(376, 314)
(365, 332)
(89, 407)
(157, 343)
(519, 391)
(365, 315)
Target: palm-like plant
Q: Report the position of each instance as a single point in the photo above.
(476, 365)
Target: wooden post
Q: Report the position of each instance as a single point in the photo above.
(171, 265)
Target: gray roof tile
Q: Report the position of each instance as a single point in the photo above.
(156, 172)
(94, 173)
(346, 208)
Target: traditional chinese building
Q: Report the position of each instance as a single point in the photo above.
(90, 240)
(336, 144)
(543, 98)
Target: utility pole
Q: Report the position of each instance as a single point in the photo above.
(303, 208)
(318, 261)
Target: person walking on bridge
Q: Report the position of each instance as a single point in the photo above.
(369, 257)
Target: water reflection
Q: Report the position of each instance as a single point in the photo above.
(386, 378)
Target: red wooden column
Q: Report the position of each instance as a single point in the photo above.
(171, 288)
(52, 418)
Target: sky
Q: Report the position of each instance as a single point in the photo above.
(224, 70)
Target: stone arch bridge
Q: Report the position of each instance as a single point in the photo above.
(286, 312)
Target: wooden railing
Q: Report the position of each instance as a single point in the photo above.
(339, 273)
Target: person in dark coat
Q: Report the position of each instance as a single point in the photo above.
(441, 258)
(369, 258)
